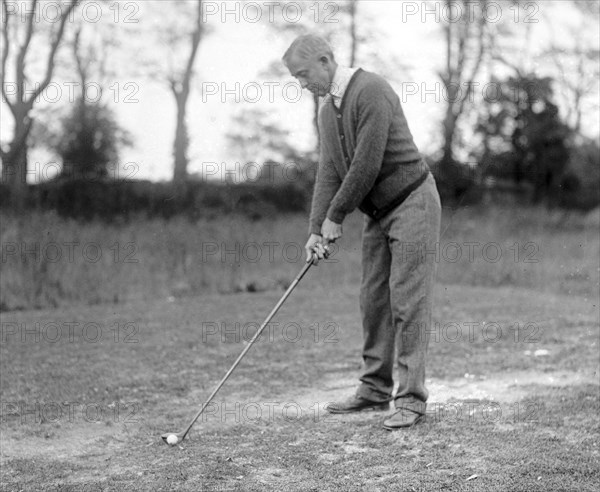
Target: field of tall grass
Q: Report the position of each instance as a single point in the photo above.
(49, 261)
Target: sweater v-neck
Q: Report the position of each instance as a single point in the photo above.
(367, 151)
(348, 87)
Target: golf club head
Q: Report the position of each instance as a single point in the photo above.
(179, 436)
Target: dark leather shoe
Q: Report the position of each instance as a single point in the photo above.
(401, 419)
(356, 404)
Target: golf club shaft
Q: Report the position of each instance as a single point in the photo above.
(254, 338)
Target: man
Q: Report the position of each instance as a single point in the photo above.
(368, 160)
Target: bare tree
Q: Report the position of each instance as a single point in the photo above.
(468, 40)
(23, 25)
(578, 75)
(89, 136)
(176, 31)
(92, 47)
(577, 64)
(179, 83)
(573, 60)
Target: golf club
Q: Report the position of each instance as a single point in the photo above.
(173, 438)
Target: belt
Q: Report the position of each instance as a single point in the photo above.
(375, 213)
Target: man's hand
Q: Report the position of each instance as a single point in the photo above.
(315, 249)
(330, 231)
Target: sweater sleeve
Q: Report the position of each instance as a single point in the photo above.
(327, 184)
(375, 114)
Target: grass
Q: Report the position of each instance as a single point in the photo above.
(118, 352)
(267, 429)
(51, 262)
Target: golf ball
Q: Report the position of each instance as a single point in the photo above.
(172, 439)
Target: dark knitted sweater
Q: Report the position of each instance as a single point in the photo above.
(367, 151)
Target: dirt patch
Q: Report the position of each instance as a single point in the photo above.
(506, 388)
(63, 442)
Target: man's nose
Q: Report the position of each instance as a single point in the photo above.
(303, 83)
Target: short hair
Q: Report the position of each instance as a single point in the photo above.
(308, 46)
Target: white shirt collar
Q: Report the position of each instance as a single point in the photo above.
(339, 84)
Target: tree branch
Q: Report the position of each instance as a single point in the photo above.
(449, 47)
(196, 36)
(52, 54)
(503, 60)
(477, 65)
(20, 62)
(5, 51)
(81, 70)
(463, 37)
(173, 86)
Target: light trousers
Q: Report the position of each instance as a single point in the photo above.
(398, 271)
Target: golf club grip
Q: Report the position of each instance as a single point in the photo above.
(250, 343)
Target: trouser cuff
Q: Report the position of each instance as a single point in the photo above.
(371, 394)
(412, 404)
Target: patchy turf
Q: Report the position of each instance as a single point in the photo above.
(513, 377)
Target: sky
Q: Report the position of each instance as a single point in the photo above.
(232, 57)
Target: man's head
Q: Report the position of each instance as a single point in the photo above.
(310, 59)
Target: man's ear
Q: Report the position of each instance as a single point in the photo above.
(324, 60)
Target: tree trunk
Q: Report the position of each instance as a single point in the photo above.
(14, 174)
(14, 165)
(449, 131)
(353, 34)
(181, 91)
(181, 143)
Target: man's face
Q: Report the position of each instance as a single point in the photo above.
(314, 74)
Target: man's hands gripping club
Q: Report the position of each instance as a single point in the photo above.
(317, 246)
